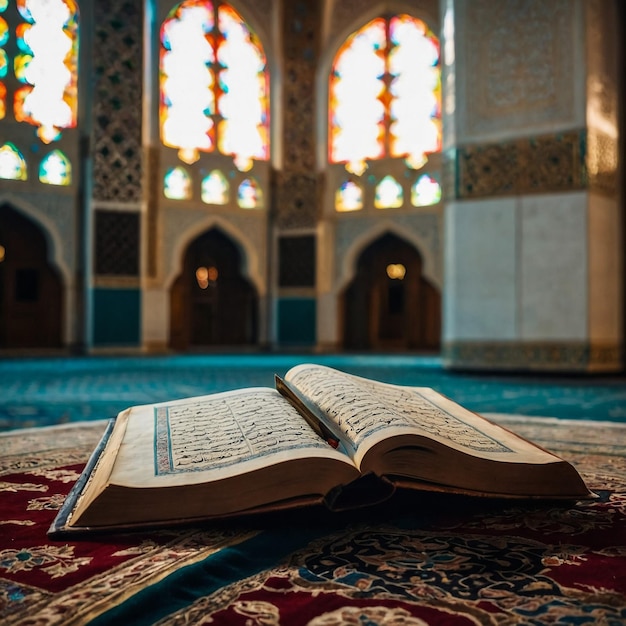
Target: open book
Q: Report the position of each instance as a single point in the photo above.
(322, 436)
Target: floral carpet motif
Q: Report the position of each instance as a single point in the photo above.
(419, 560)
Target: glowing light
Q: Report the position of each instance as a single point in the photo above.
(396, 271)
(3, 253)
(206, 276)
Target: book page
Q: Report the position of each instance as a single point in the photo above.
(367, 412)
(212, 437)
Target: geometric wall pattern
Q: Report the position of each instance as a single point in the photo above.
(544, 164)
(116, 243)
(117, 109)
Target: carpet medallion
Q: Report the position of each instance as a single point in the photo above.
(419, 560)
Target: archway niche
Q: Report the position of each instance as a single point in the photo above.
(389, 305)
(211, 302)
(31, 290)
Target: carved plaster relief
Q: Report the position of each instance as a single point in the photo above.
(516, 67)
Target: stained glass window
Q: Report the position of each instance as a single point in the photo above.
(215, 188)
(4, 59)
(425, 191)
(349, 197)
(249, 195)
(214, 84)
(46, 66)
(385, 94)
(389, 194)
(55, 169)
(177, 184)
(12, 163)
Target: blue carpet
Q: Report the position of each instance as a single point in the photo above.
(46, 391)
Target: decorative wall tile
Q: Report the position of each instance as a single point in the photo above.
(543, 164)
(531, 356)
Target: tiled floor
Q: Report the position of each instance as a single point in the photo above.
(39, 392)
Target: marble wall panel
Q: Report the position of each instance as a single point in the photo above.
(553, 262)
(480, 270)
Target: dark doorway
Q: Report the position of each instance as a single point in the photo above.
(389, 305)
(212, 303)
(31, 292)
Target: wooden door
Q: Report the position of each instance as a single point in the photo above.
(212, 303)
(389, 305)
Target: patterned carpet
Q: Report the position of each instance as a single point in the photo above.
(418, 561)
(40, 392)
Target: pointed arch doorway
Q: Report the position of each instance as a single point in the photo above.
(211, 302)
(389, 305)
(31, 290)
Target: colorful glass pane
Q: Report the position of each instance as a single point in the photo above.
(389, 194)
(425, 191)
(249, 194)
(4, 64)
(47, 66)
(349, 197)
(215, 188)
(22, 38)
(187, 80)
(243, 101)
(12, 163)
(3, 101)
(4, 31)
(385, 90)
(177, 184)
(55, 169)
(3, 5)
(415, 111)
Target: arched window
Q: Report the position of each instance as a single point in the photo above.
(38, 84)
(215, 188)
(385, 95)
(349, 197)
(425, 191)
(389, 194)
(46, 66)
(177, 184)
(214, 85)
(249, 194)
(12, 164)
(55, 169)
